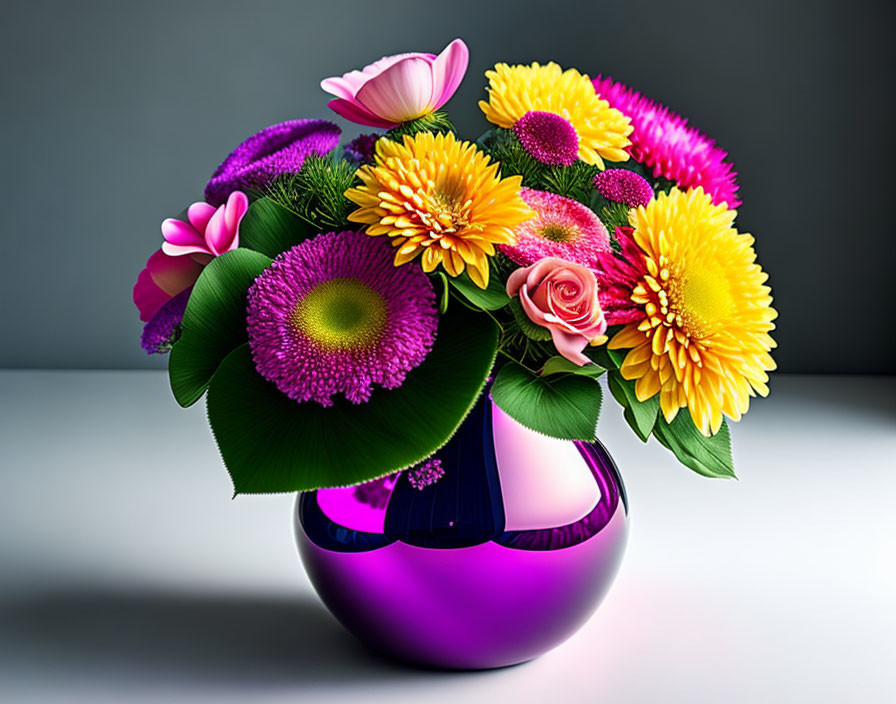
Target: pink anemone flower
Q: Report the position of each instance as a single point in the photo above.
(398, 88)
(188, 247)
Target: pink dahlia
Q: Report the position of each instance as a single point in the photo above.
(617, 275)
(663, 141)
(561, 227)
(334, 315)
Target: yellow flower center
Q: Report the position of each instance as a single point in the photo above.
(703, 300)
(556, 232)
(341, 314)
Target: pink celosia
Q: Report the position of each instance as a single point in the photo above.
(548, 137)
(663, 141)
(561, 227)
(623, 186)
(210, 231)
(398, 88)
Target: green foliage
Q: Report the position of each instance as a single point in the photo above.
(493, 297)
(445, 292)
(316, 194)
(270, 228)
(561, 365)
(526, 326)
(564, 406)
(503, 146)
(271, 443)
(434, 122)
(640, 415)
(710, 457)
(214, 322)
(575, 181)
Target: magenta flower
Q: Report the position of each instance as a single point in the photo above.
(663, 141)
(398, 88)
(617, 274)
(623, 186)
(210, 231)
(162, 279)
(548, 137)
(334, 315)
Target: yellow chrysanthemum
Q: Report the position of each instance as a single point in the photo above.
(514, 91)
(440, 198)
(704, 342)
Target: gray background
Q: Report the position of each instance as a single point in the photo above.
(114, 115)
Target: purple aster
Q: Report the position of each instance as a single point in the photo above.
(623, 186)
(334, 315)
(163, 328)
(548, 137)
(426, 474)
(362, 149)
(276, 150)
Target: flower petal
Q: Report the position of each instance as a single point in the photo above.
(163, 278)
(448, 71)
(570, 346)
(402, 92)
(182, 233)
(358, 114)
(237, 205)
(199, 214)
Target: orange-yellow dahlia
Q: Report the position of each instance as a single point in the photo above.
(439, 198)
(704, 340)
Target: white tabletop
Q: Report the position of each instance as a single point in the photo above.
(127, 573)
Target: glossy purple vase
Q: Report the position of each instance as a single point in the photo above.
(503, 558)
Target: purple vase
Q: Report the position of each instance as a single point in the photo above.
(503, 558)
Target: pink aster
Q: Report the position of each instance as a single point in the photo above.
(663, 141)
(561, 227)
(333, 315)
(399, 88)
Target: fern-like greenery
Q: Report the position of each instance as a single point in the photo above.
(434, 122)
(317, 192)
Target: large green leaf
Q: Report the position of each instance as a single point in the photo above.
(710, 457)
(271, 443)
(561, 365)
(270, 228)
(640, 415)
(491, 298)
(214, 322)
(561, 405)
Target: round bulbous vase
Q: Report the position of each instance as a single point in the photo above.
(502, 558)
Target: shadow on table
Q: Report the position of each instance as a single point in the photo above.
(144, 638)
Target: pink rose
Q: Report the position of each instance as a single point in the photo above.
(398, 88)
(562, 297)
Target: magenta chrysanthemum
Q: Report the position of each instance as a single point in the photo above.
(334, 315)
(276, 150)
(426, 474)
(663, 141)
(617, 274)
(561, 227)
(548, 137)
(623, 186)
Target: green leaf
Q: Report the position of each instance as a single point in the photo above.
(710, 457)
(214, 322)
(270, 228)
(561, 365)
(640, 415)
(271, 443)
(562, 405)
(491, 298)
(443, 298)
(531, 330)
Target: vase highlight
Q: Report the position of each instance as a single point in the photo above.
(503, 558)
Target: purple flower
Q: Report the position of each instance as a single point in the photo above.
(162, 330)
(623, 186)
(275, 150)
(426, 474)
(334, 315)
(362, 149)
(548, 137)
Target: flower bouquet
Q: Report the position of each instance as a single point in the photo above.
(411, 329)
